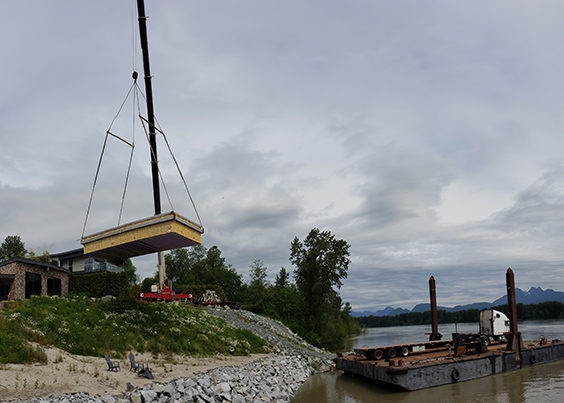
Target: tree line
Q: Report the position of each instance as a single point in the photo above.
(306, 300)
(543, 310)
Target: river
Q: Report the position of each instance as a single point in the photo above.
(541, 383)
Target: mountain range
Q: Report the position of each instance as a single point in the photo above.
(535, 295)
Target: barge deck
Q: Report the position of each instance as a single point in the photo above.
(435, 368)
(498, 347)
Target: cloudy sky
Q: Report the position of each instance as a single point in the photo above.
(426, 134)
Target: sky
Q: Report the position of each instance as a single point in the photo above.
(428, 135)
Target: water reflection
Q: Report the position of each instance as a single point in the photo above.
(542, 383)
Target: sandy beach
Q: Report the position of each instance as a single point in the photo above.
(67, 373)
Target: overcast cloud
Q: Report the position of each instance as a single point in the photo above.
(426, 134)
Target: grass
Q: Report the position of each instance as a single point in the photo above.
(15, 348)
(85, 327)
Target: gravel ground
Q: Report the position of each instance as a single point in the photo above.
(279, 337)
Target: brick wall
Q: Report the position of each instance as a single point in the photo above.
(18, 270)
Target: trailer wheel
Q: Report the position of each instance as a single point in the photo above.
(378, 354)
(485, 340)
(404, 351)
(392, 352)
(455, 374)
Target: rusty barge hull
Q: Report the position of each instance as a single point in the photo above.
(429, 370)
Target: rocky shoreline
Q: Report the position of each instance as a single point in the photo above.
(274, 378)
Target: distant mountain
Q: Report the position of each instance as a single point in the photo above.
(535, 295)
(427, 307)
(387, 311)
(475, 305)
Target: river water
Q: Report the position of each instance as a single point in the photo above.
(541, 383)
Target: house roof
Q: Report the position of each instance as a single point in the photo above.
(69, 254)
(47, 266)
(74, 253)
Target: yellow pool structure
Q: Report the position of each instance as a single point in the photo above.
(149, 235)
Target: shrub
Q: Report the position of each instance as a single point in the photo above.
(99, 284)
(134, 291)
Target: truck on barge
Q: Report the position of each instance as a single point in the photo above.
(496, 348)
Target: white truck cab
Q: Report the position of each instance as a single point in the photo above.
(493, 323)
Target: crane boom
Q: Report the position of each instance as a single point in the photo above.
(151, 118)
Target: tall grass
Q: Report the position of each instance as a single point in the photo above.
(85, 327)
(15, 348)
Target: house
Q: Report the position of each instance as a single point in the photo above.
(21, 278)
(75, 261)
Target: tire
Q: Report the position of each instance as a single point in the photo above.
(392, 352)
(378, 354)
(455, 374)
(404, 351)
(485, 340)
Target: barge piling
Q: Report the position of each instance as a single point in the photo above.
(514, 341)
(434, 335)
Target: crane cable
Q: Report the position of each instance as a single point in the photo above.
(108, 133)
(136, 97)
(157, 127)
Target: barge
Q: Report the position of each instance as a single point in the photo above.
(464, 357)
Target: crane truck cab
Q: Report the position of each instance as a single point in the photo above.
(493, 324)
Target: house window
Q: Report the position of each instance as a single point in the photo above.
(88, 264)
(32, 284)
(70, 264)
(53, 286)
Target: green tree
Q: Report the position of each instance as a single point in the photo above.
(258, 273)
(282, 278)
(177, 264)
(218, 272)
(258, 289)
(321, 264)
(12, 247)
(198, 266)
(130, 269)
(45, 257)
(149, 281)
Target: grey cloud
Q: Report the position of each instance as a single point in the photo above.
(286, 116)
